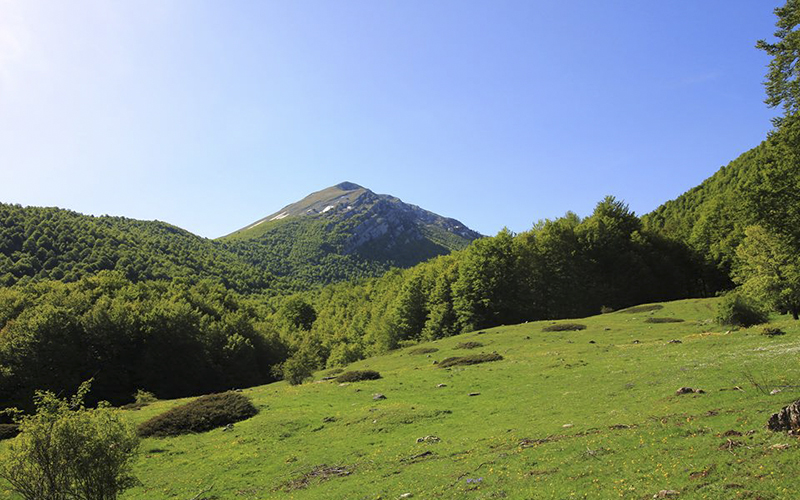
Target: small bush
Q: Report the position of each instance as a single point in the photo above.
(468, 345)
(469, 360)
(772, 331)
(606, 310)
(335, 371)
(663, 320)
(564, 327)
(642, 309)
(201, 415)
(358, 375)
(737, 310)
(423, 350)
(8, 431)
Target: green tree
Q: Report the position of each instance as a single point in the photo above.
(769, 270)
(783, 77)
(68, 452)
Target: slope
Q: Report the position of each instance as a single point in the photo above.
(575, 414)
(50, 243)
(346, 231)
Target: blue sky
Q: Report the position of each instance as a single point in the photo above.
(210, 115)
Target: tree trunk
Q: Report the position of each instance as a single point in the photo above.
(796, 313)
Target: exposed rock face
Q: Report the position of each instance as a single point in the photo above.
(788, 419)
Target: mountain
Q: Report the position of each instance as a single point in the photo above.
(346, 231)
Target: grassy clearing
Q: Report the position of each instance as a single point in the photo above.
(559, 417)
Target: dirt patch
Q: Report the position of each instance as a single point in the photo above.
(642, 309)
(469, 360)
(564, 327)
(318, 474)
(468, 345)
(422, 350)
(663, 320)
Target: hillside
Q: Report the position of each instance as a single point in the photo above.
(576, 414)
(346, 231)
(39, 244)
(762, 186)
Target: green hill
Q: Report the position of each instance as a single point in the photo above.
(39, 244)
(573, 414)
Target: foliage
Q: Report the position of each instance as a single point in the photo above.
(423, 350)
(783, 78)
(172, 339)
(564, 327)
(299, 367)
(358, 376)
(642, 309)
(472, 359)
(737, 310)
(143, 397)
(769, 270)
(38, 244)
(8, 431)
(201, 415)
(772, 331)
(468, 345)
(66, 451)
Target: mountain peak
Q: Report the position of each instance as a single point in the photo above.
(348, 186)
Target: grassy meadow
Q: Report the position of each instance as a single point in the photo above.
(566, 414)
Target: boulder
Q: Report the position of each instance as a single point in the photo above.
(788, 419)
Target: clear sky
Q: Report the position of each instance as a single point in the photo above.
(212, 114)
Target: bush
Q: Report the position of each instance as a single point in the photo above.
(642, 309)
(737, 310)
(469, 360)
(468, 345)
(201, 415)
(65, 451)
(564, 327)
(663, 320)
(606, 310)
(358, 375)
(8, 431)
(423, 350)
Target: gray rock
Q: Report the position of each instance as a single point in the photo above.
(666, 494)
(788, 419)
(378, 396)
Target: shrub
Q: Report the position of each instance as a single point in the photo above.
(358, 375)
(473, 359)
(663, 320)
(8, 431)
(65, 451)
(423, 350)
(564, 327)
(468, 345)
(144, 397)
(201, 415)
(642, 309)
(606, 310)
(737, 310)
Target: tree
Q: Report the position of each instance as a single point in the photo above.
(783, 77)
(68, 452)
(769, 270)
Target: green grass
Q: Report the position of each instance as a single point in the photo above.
(558, 418)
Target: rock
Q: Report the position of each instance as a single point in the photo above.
(428, 439)
(779, 446)
(774, 392)
(406, 495)
(439, 386)
(474, 393)
(675, 342)
(788, 419)
(567, 426)
(327, 420)
(228, 427)
(344, 384)
(636, 342)
(378, 396)
(666, 494)
(592, 342)
(689, 390)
